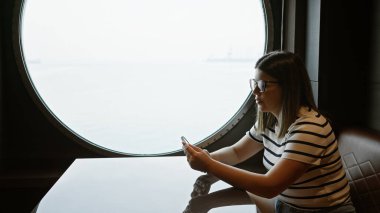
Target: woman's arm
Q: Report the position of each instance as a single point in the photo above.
(268, 185)
(238, 152)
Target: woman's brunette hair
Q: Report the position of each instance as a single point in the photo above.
(290, 71)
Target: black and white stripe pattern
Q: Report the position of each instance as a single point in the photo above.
(310, 139)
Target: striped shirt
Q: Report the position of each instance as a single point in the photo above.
(310, 139)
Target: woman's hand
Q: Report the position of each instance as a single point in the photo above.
(203, 184)
(218, 199)
(199, 159)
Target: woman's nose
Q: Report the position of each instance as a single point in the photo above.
(256, 90)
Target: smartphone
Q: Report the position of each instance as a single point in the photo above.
(185, 143)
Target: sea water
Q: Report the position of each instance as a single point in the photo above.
(143, 108)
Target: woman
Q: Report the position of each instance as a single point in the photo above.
(305, 172)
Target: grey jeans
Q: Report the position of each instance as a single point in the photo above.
(282, 207)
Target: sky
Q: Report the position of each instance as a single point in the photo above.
(141, 30)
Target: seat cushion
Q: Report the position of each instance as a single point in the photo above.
(360, 151)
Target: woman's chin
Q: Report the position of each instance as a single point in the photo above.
(261, 107)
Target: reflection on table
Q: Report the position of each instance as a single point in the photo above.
(154, 184)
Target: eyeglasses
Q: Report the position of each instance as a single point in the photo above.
(261, 84)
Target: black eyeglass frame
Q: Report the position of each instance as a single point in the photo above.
(261, 84)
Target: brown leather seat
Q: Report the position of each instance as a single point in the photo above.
(360, 151)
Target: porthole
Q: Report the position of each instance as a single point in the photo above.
(131, 77)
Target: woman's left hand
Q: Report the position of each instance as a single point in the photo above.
(199, 159)
(203, 184)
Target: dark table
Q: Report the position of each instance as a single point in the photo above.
(138, 185)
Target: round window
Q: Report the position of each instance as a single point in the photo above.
(133, 76)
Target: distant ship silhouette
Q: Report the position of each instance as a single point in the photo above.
(229, 58)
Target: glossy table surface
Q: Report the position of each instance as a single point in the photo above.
(143, 184)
